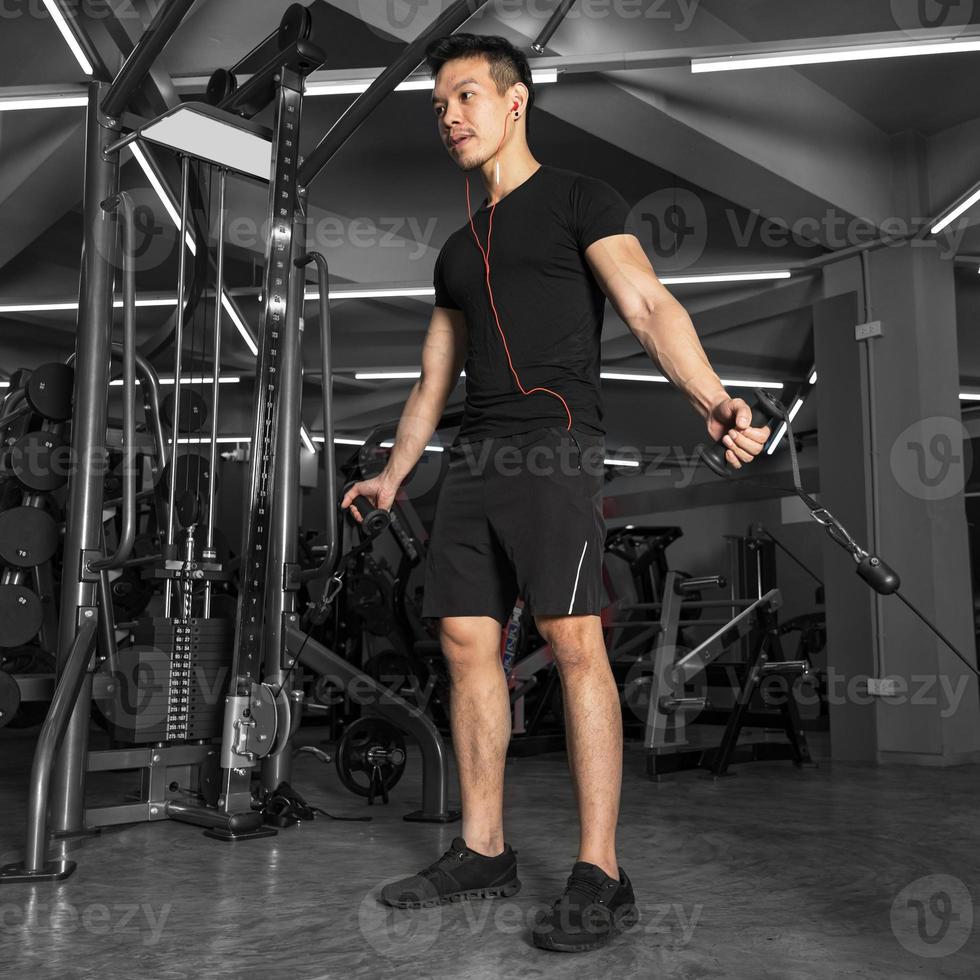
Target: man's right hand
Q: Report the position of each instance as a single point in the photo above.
(379, 490)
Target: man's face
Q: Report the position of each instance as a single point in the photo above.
(470, 113)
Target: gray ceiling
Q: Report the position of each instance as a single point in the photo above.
(746, 155)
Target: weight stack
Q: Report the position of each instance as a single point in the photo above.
(173, 681)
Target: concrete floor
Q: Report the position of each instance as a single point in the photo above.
(771, 874)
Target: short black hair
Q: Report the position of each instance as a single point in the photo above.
(508, 65)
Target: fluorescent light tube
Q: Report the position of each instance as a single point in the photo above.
(196, 380)
(727, 382)
(355, 86)
(367, 293)
(780, 432)
(819, 56)
(161, 192)
(69, 35)
(237, 320)
(387, 444)
(206, 440)
(44, 102)
(727, 277)
(955, 213)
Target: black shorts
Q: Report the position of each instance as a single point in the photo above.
(519, 515)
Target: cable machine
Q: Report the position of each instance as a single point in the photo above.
(215, 749)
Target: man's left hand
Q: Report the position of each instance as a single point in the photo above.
(730, 420)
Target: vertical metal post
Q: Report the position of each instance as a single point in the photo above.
(280, 598)
(185, 169)
(219, 288)
(262, 566)
(83, 524)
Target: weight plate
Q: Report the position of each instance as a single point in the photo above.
(221, 84)
(295, 25)
(40, 461)
(369, 745)
(20, 615)
(49, 391)
(189, 508)
(131, 594)
(193, 411)
(28, 536)
(193, 473)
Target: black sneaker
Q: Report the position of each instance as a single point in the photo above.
(458, 875)
(592, 909)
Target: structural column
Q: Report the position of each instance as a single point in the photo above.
(893, 471)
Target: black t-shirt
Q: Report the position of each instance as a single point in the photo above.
(548, 301)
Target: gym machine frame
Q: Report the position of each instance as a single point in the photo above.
(668, 705)
(258, 722)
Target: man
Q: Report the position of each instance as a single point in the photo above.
(520, 294)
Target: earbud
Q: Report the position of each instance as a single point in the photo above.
(515, 105)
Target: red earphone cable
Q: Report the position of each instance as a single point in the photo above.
(493, 305)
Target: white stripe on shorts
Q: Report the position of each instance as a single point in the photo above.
(578, 571)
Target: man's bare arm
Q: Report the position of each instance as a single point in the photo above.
(664, 328)
(443, 355)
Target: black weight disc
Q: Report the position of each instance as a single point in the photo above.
(40, 461)
(189, 508)
(131, 594)
(49, 391)
(193, 472)
(28, 536)
(221, 84)
(295, 25)
(362, 742)
(9, 698)
(20, 615)
(193, 412)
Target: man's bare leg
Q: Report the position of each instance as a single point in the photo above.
(593, 731)
(479, 710)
